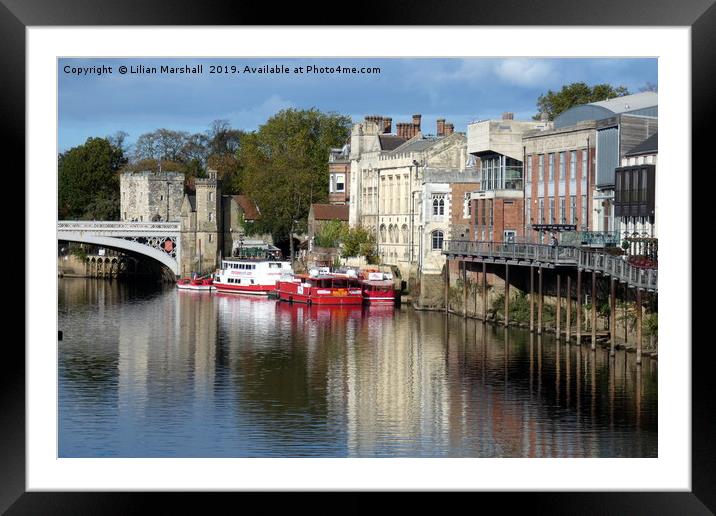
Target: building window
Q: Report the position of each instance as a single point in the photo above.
(438, 205)
(551, 167)
(584, 212)
(491, 203)
(573, 209)
(572, 165)
(562, 164)
(541, 210)
(528, 214)
(551, 210)
(437, 240)
(211, 237)
(211, 196)
(584, 163)
(540, 164)
(529, 169)
(340, 182)
(562, 210)
(211, 216)
(643, 185)
(466, 206)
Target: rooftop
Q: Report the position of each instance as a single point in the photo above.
(644, 103)
(330, 211)
(648, 146)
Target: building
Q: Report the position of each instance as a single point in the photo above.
(395, 188)
(559, 180)
(497, 213)
(319, 214)
(238, 212)
(635, 191)
(339, 174)
(621, 124)
(151, 196)
(201, 226)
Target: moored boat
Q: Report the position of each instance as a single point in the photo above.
(254, 271)
(378, 288)
(320, 288)
(195, 283)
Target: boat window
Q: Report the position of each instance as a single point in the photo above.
(274, 265)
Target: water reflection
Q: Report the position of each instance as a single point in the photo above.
(156, 372)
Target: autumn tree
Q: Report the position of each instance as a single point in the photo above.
(283, 167)
(553, 103)
(88, 181)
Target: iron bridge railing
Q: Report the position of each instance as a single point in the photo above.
(614, 266)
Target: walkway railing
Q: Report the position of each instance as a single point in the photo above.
(603, 263)
(110, 225)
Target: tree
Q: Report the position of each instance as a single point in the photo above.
(331, 234)
(358, 241)
(553, 103)
(282, 167)
(88, 181)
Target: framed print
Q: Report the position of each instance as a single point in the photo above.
(365, 257)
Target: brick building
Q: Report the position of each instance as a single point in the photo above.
(497, 212)
(559, 180)
(339, 175)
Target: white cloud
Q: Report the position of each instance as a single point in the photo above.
(525, 72)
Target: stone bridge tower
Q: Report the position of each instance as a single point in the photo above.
(201, 226)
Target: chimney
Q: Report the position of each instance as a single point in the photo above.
(387, 125)
(449, 129)
(416, 124)
(507, 115)
(441, 127)
(400, 128)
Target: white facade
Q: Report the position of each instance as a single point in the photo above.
(390, 198)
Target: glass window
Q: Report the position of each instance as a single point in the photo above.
(618, 186)
(572, 165)
(435, 206)
(562, 210)
(529, 169)
(340, 182)
(584, 163)
(551, 167)
(573, 209)
(643, 184)
(541, 210)
(562, 164)
(551, 210)
(627, 195)
(437, 240)
(584, 212)
(467, 206)
(540, 166)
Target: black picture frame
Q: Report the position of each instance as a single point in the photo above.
(700, 15)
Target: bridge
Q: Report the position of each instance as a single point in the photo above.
(537, 255)
(157, 240)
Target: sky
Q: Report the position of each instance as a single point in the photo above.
(460, 90)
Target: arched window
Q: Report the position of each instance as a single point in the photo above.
(436, 207)
(405, 233)
(437, 240)
(442, 207)
(382, 232)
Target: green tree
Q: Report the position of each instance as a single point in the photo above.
(359, 241)
(88, 181)
(553, 103)
(331, 234)
(282, 167)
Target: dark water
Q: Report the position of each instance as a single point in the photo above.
(154, 372)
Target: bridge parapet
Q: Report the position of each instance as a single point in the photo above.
(603, 263)
(114, 227)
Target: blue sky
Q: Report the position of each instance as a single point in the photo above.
(460, 90)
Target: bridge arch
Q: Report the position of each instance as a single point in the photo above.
(123, 245)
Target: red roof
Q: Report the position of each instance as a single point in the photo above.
(330, 211)
(248, 206)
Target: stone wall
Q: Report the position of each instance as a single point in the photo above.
(144, 195)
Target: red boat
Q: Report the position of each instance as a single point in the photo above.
(320, 289)
(378, 288)
(205, 284)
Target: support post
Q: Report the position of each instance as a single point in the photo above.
(507, 295)
(579, 306)
(638, 326)
(447, 286)
(612, 314)
(532, 299)
(484, 291)
(569, 308)
(559, 307)
(594, 309)
(540, 301)
(464, 289)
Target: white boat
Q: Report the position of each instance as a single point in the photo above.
(255, 271)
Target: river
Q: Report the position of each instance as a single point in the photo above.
(150, 371)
